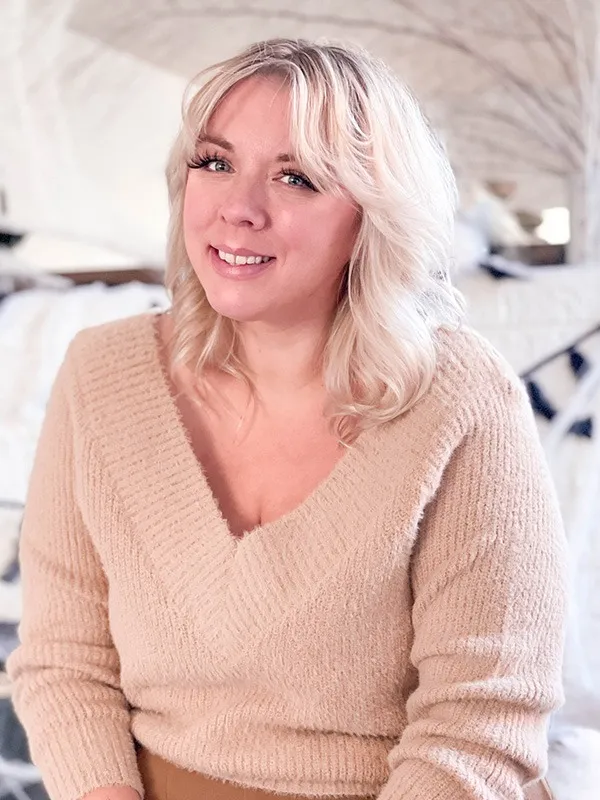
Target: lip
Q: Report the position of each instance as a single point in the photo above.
(237, 272)
(238, 251)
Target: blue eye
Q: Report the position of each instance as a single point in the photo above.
(216, 165)
(297, 179)
(211, 163)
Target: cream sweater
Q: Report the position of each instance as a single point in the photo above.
(398, 634)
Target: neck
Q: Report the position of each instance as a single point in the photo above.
(283, 361)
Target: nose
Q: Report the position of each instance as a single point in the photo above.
(245, 204)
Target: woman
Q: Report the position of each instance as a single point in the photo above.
(295, 535)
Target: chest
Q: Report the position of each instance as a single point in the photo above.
(261, 471)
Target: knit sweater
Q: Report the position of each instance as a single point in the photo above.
(398, 634)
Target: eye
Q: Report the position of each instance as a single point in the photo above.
(217, 165)
(292, 178)
(210, 163)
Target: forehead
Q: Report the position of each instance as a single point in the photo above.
(257, 107)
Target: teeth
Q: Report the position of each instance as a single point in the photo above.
(242, 260)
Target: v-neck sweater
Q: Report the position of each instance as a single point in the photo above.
(398, 634)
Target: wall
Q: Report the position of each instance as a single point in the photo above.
(84, 134)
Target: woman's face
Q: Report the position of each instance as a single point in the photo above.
(263, 242)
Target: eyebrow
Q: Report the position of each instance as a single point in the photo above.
(218, 141)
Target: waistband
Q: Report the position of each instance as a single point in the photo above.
(164, 780)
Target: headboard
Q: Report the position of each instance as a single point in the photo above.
(19, 279)
(114, 277)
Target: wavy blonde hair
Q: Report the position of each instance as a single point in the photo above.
(356, 129)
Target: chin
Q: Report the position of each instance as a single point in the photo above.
(236, 309)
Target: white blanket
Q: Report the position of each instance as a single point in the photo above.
(36, 327)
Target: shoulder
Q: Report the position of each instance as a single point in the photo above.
(112, 347)
(470, 362)
(113, 340)
(474, 410)
(473, 379)
(474, 391)
(111, 363)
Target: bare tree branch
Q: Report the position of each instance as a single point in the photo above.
(252, 12)
(506, 118)
(486, 166)
(174, 8)
(513, 155)
(554, 36)
(523, 92)
(548, 26)
(581, 61)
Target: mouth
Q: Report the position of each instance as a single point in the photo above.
(240, 258)
(239, 263)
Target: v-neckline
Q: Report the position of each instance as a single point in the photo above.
(233, 589)
(172, 417)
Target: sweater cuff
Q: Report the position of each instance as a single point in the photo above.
(78, 758)
(418, 780)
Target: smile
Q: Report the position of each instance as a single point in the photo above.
(240, 266)
(232, 259)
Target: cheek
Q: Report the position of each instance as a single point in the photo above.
(336, 239)
(195, 210)
(326, 231)
(295, 227)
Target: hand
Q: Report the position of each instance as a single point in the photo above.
(112, 793)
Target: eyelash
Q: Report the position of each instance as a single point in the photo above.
(202, 161)
(295, 174)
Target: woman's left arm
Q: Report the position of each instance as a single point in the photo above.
(489, 591)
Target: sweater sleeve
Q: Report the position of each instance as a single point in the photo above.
(489, 597)
(66, 669)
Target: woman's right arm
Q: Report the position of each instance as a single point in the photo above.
(66, 671)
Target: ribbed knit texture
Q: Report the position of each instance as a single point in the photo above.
(399, 634)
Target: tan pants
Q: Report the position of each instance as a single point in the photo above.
(164, 781)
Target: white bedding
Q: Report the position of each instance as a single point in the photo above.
(36, 327)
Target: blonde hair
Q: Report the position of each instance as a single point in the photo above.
(356, 129)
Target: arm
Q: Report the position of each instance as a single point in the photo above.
(66, 669)
(489, 605)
